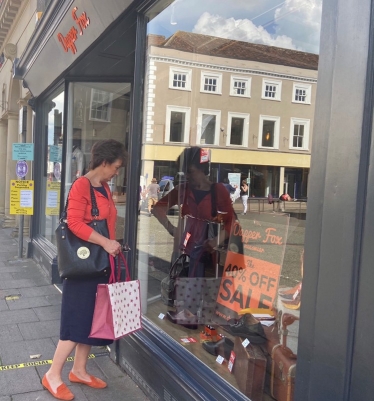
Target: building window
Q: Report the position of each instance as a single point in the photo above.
(301, 93)
(101, 105)
(240, 86)
(271, 90)
(299, 134)
(211, 83)
(177, 124)
(180, 79)
(208, 126)
(237, 129)
(269, 132)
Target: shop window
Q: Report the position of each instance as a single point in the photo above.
(100, 108)
(240, 86)
(269, 132)
(211, 83)
(301, 93)
(271, 90)
(180, 79)
(237, 129)
(299, 135)
(209, 126)
(177, 124)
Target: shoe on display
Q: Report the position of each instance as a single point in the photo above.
(223, 347)
(184, 318)
(291, 293)
(250, 328)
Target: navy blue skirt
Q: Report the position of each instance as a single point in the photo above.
(77, 308)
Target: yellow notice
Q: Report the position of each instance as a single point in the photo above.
(52, 204)
(22, 197)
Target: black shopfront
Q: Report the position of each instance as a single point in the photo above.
(87, 68)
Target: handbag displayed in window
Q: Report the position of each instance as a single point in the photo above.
(77, 257)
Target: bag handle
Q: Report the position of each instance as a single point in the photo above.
(116, 278)
(94, 209)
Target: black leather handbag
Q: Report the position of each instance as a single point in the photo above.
(168, 285)
(77, 258)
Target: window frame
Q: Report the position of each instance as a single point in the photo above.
(300, 121)
(109, 114)
(216, 113)
(205, 74)
(307, 87)
(248, 80)
(178, 109)
(230, 116)
(278, 92)
(188, 72)
(276, 119)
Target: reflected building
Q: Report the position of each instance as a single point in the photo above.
(252, 104)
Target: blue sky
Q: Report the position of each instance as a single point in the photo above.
(293, 24)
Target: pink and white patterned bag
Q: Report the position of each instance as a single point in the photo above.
(117, 306)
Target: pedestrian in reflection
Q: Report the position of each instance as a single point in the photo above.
(152, 190)
(205, 202)
(244, 195)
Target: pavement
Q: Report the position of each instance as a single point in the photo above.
(29, 332)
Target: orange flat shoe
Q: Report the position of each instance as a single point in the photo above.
(62, 392)
(94, 382)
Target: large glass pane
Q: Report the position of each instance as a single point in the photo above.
(97, 111)
(220, 251)
(51, 177)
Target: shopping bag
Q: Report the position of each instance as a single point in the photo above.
(117, 305)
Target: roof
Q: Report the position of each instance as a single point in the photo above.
(228, 48)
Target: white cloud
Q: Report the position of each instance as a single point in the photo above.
(239, 29)
(293, 25)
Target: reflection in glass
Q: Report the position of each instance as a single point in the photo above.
(240, 82)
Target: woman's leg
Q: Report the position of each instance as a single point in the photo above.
(244, 200)
(63, 350)
(80, 361)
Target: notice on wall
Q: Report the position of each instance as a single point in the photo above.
(253, 265)
(22, 197)
(52, 204)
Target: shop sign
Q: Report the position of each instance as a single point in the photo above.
(253, 265)
(68, 41)
(52, 205)
(21, 197)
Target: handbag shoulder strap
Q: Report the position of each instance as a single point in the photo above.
(94, 209)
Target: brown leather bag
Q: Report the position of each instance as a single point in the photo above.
(249, 369)
(283, 368)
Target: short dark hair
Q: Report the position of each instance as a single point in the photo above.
(108, 150)
(191, 157)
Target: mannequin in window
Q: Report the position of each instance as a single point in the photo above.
(77, 161)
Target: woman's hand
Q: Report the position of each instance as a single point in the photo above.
(112, 247)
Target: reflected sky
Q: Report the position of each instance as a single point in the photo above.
(292, 24)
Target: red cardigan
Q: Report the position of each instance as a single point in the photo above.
(79, 209)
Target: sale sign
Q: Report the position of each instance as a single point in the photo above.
(253, 265)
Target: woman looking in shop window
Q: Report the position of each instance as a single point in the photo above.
(78, 296)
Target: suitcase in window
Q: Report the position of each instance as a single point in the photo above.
(283, 367)
(249, 369)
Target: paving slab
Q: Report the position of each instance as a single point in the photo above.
(3, 305)
(48, 312)
(20, 351)
(11, 382)
(17, 316)
(10, 333)
(38, 291)
(32, 331)
(26, 303)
